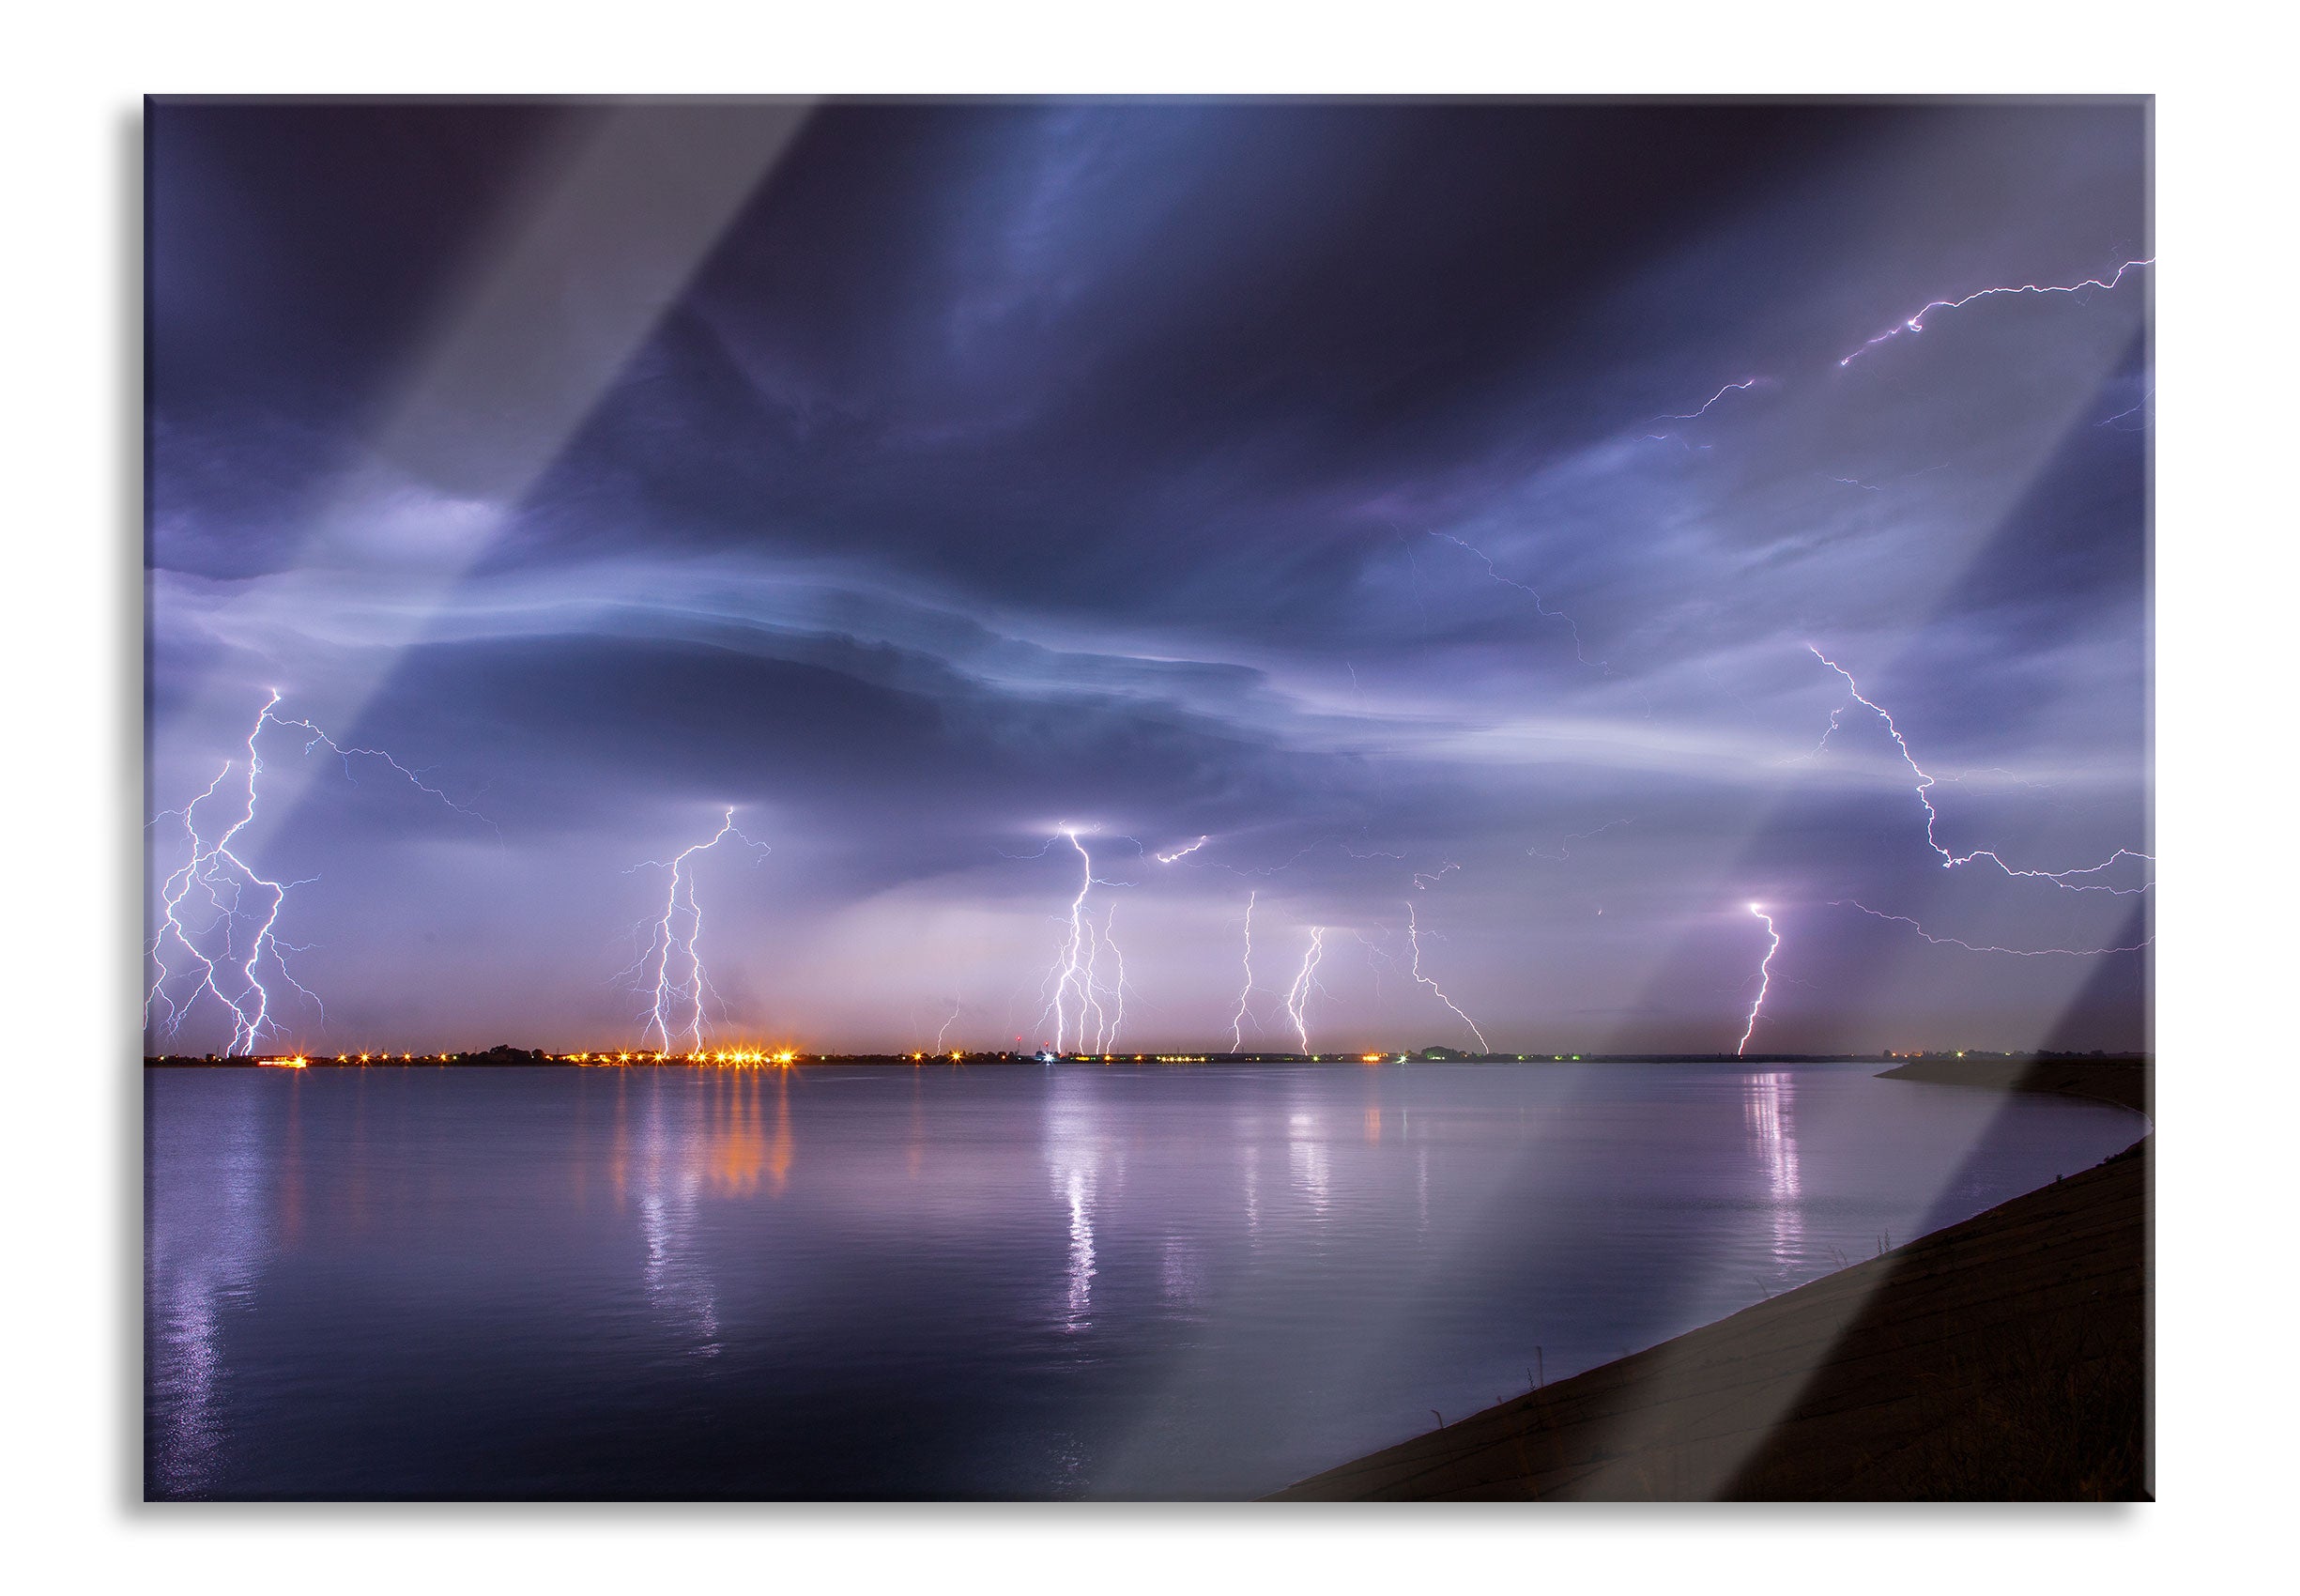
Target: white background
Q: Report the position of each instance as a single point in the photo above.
(69, 1151)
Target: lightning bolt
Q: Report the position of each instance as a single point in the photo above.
(1564, 853)
(946, 1025)
(674, 946)
(1976, 947)
(1306, 982)
(1916, 322)
(1413, 935)
(1540, 605)
(1108, 1041)
(1765, 977)
(1925, 782)
(1078, 990)
(1740, 386)
(223, 882)
(1424, 880)
(1182, 852)
(1237, 1020)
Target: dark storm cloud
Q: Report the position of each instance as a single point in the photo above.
(1321, 478)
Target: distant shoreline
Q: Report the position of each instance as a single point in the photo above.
(1966, 1069)
(2002, 1358)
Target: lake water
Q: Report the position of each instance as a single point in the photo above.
(980, 1281)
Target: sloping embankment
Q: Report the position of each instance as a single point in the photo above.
(2005, 1358)
(2127, 1082)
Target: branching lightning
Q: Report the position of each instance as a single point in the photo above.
(1413, 935)
(1085, 1011)
(1976, 948)
(1306, 982)
(1916, 322)
(1182, 852)
(1765, 977)
(1564, 853)
(1950, 860)
(1540, 605)
(202, 937)
(679, 982)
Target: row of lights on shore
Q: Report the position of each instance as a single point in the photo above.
(734, 1058)
(741, 1059)
(746, 1059)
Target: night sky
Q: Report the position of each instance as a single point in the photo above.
(1330, 481)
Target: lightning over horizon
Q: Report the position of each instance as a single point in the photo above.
(1413, 937)
(1085, 1010)
(225, 880)
(679, 984)
(1245, 993)
(1306, 982)
(1231, 478)
(1029, 510)
(1765, 977)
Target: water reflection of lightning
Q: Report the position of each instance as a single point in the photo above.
(1769, 1106)
(1916, 322)
(1949, 860)
(1085, 1011)
(1412, 936)
(1306, 982)
(1237, 1020)
(202, 937)
(674, 944)
(1765, 977)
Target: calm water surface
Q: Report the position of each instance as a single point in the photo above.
(1078, 1281)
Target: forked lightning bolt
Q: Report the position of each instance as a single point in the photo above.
(216, 892)
(1949, 860)
(1977, 947)
(1306, 982)
(1085, 1010)
(1413, 935)
(1563, 852)
(1916, 322)
(1765, 977)
(1540, 605)
(679, 982)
